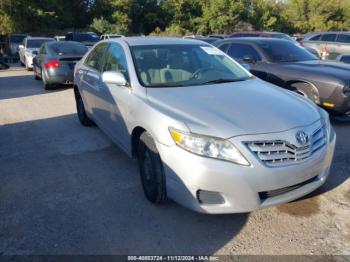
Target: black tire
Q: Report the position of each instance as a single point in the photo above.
(36, 77)
(305, 90)
(151, 170)
(83, 118)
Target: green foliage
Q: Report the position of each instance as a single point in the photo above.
(173, 17)
(318, 15)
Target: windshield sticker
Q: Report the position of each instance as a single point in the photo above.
(212, 50)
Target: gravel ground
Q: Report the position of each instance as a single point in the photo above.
(66, 189)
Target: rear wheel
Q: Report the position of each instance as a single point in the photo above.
(306, 90)
(36, 77)
(151, 170)
(83, 118)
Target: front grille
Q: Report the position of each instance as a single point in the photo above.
(273, 193)
(279, 152)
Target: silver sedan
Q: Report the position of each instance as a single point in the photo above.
(206, 133)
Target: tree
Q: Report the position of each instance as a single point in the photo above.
(220, 16)
(318, 15)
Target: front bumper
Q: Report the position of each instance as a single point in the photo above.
(341, 102)
(241, 187)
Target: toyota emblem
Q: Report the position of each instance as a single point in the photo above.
(302, 138)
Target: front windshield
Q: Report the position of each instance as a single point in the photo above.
(17, 38)
(36, 43)
(285, 51)
(67, 48)
(184, 65)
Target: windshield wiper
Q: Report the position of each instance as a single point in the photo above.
(165, 85)
(223, 80)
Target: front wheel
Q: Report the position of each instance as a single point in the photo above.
(306, 90)
(151, 170)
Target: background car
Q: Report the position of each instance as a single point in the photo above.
(110, 36)
(289, 66)
(15, 41)
(209, 40)
(87, 38)
(221, 36)
(277, 35)
(29, 49)
(3, 65)
(60, 38)
(331, 43)
(55, 62)
(345, 58)
(261, 34)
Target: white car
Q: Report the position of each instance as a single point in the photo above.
(29, 49)
(60, 38)
(110, 36)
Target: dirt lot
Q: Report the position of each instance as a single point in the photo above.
(66, 189)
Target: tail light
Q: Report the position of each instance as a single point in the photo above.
(301, 43)
(52, 64)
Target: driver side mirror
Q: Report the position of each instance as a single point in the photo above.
(249, 59)
(116, 78)
(21, 46)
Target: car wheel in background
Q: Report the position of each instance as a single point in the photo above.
(27, 66)
(36, 77)
(83, 118)
(306, 90)
(151, 170)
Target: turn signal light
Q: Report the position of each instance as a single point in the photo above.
(52, 64)
(331, 105)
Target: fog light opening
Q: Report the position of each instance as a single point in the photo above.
(209, 198)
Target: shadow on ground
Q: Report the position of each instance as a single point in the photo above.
(22, 86)
(66, 189)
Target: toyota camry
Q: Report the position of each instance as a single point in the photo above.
(206, 132)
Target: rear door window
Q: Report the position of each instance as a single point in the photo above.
(343, 38)
(239, 51)
(345, 59)
(329, 37)
(315, 38)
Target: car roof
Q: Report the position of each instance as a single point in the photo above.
(138, 41)
(256, 40)
(39, 38)
(63, 42)
(258, 33)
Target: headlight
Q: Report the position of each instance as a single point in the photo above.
(346, 90)
(325, 119)
(208, 146)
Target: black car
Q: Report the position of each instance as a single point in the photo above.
(55, 62)
(287, 65)
(86, 38)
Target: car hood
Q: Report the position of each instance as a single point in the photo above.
(233, 109)
(334, 69)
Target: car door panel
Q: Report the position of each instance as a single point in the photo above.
(116, 98)
(90, 82)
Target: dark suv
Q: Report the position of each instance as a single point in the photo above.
(88, 38)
